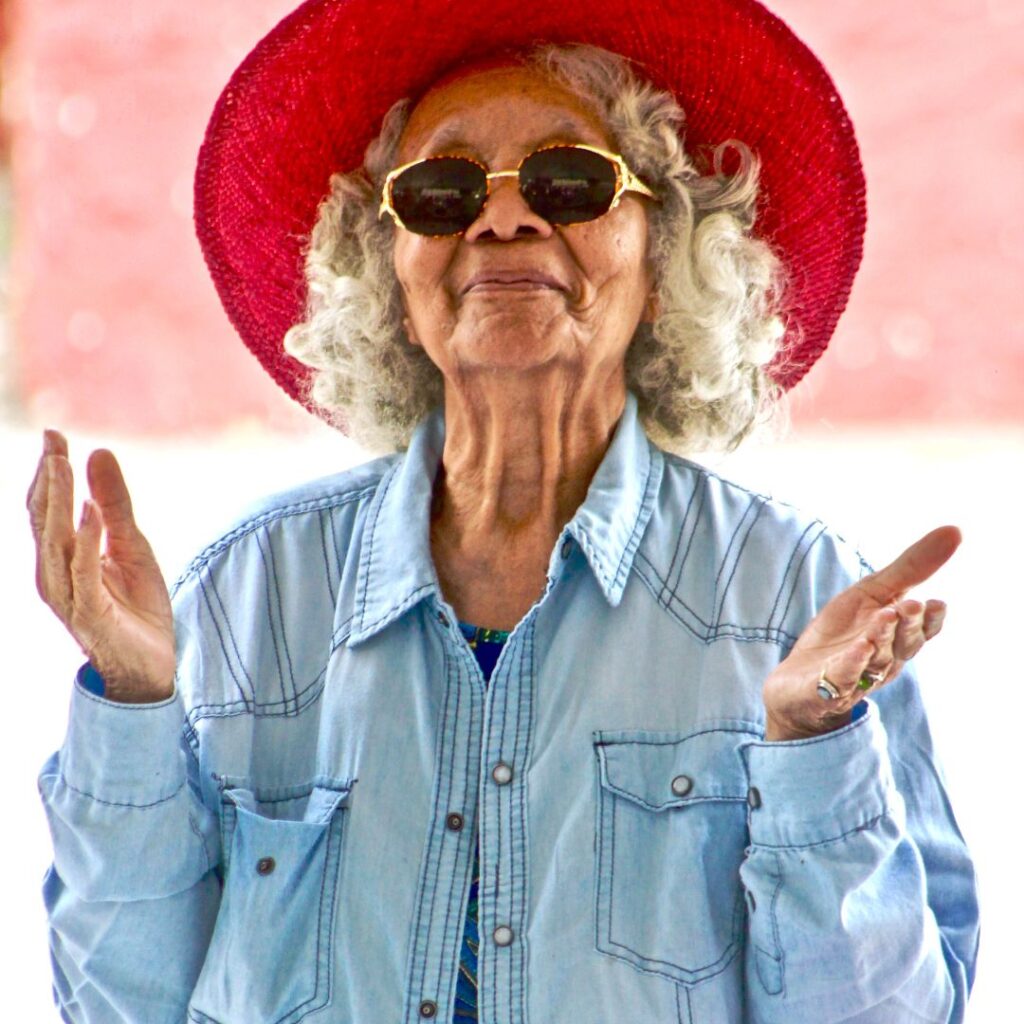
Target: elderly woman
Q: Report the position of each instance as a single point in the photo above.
(529, 719)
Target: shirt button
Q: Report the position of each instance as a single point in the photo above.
(754, 798)
(455, 821)
(443, 619)
(566, 549)
(428, 1009)
(681, 785)
(501, 773)
(265, 865)
(503, 935)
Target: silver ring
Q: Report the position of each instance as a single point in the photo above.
(827, 690)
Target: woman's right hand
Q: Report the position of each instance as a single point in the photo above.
(114, 603)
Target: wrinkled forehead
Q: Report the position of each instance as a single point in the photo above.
(495, 99)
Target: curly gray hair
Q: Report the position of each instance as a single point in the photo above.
(698, 371)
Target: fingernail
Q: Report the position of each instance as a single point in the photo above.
(86, 513)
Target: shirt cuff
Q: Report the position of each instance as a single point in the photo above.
(122, 753)
(804, 792)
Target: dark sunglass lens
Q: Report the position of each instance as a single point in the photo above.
(441, 196)
(566, 185)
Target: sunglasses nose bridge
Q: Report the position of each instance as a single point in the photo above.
(506, 216)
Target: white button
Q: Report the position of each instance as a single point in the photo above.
(501, 773)
(503, 935)
(681, 785)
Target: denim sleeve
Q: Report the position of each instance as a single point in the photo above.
(132, 894)
(862, 897)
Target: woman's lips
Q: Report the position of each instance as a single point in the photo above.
(512, 281)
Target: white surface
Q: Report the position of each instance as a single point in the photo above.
(877, 490)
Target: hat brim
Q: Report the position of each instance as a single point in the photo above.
(309, 98)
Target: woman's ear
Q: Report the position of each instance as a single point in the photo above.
(410, 333)
(652, 308)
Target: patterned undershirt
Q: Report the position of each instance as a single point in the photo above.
(486, 645)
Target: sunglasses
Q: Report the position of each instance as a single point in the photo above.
(443, 195)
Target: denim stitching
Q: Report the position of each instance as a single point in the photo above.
(797, 574)
(340, 636)
(690, 527)
(230, 661)
(449, 933)
(395, 610)
(120, 803)
(379, 498)
(425, 887)
(789, 577)
(273, 580)
(449, 743)
(524, 804)
(863, 827)
(759, 506)
(684, 1012)
(640, 520)
(331, 589)
(709, 634)
(273, 515)
(267, 584)
(307, 696)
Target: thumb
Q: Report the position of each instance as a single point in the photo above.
(109, 491)
(920, 561)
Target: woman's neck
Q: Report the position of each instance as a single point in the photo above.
(520, 454)
(518, 459)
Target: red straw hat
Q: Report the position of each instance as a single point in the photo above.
(310, 97)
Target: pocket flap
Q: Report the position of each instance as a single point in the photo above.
(661, 770)
(311, 802)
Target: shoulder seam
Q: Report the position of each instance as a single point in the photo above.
(270, 515)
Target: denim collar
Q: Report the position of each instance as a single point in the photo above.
(396, 570)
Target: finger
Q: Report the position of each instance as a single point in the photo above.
(85, 572)
(109, 491)
(881, 632)
(54, 443)
(844, 670)
(934, 617)
(920, 561)
(56, 542)
(910, 631)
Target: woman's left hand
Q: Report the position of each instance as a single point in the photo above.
(869, 630)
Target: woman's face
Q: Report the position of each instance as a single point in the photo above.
(514, 293)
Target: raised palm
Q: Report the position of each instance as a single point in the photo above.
(115, 602)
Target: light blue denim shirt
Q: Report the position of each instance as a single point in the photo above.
(276, 841)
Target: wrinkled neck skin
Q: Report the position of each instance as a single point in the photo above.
(520, 451)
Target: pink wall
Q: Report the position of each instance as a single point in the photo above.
(117, 327)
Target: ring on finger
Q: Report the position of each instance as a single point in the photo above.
(869, 680)
(827, 690)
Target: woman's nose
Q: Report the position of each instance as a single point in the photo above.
(506, 215)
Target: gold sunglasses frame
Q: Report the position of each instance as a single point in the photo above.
(625, 181)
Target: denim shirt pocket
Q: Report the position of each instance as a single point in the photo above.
(270, 955)
(671, 833)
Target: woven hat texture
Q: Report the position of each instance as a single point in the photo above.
(311, 95)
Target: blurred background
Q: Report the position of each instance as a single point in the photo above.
(111, 331)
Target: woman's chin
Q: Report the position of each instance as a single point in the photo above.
(516, 346)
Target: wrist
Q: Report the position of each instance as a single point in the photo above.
(777, 731)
